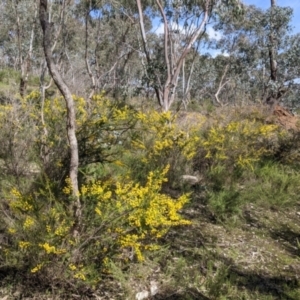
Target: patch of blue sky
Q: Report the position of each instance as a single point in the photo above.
(294, 4)
(158, 26)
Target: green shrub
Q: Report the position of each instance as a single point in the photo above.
(121, 221)
(225, 202)
(273, 184)
(123, 216)
(157, 140)
(230, 155)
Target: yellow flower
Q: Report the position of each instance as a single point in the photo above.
(24, 245)
(11, 230)
(84, 190)
(80, 275)
(49, 249)
(48, 228)
(98, 211)
(72, 267)
(37, 268)
(62, 229)
(28, 223)
(118, 163)
(68, 188)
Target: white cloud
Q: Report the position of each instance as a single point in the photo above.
(215, 53)
(212, 34)
(159, 29)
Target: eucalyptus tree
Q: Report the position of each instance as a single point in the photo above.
(235, 69)
(184, 22)
(111, 46)
(272, 43)
(71, 116)
(289, 70)
(19, 37)
(257, 46)
(175, 44)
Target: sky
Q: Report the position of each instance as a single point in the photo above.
(294, 4)
(263, 4)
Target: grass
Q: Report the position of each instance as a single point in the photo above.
(244, 241)
(257, 256)
(10, 81)
(256, 259)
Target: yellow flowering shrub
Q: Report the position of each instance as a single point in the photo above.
(119, 217)
(136, 215)
(122, 218)
(37, 130)
(230, 149)
(40, 227)
(19, 130)
(165, 135)
(157, 140)
(101, 129)
(105, 131)
(237, 144)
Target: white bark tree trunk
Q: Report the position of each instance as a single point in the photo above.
(71, 117)
(166, 91)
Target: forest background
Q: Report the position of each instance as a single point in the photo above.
(149, 150)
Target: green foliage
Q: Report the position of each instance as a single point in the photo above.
(102, 129)
(128, 159)
(158, 139)
(218, 284)
(18, 137)
(225, 202)
(268, 183)
(273, 185)
(122, 221)
(8, 75)
(238, 144)
(232, 154)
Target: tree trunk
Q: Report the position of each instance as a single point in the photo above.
(24, 63)
(272, 98)
(166, 91)
(71, 118)
(90, 73)
(272, 51)
(273, 64)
